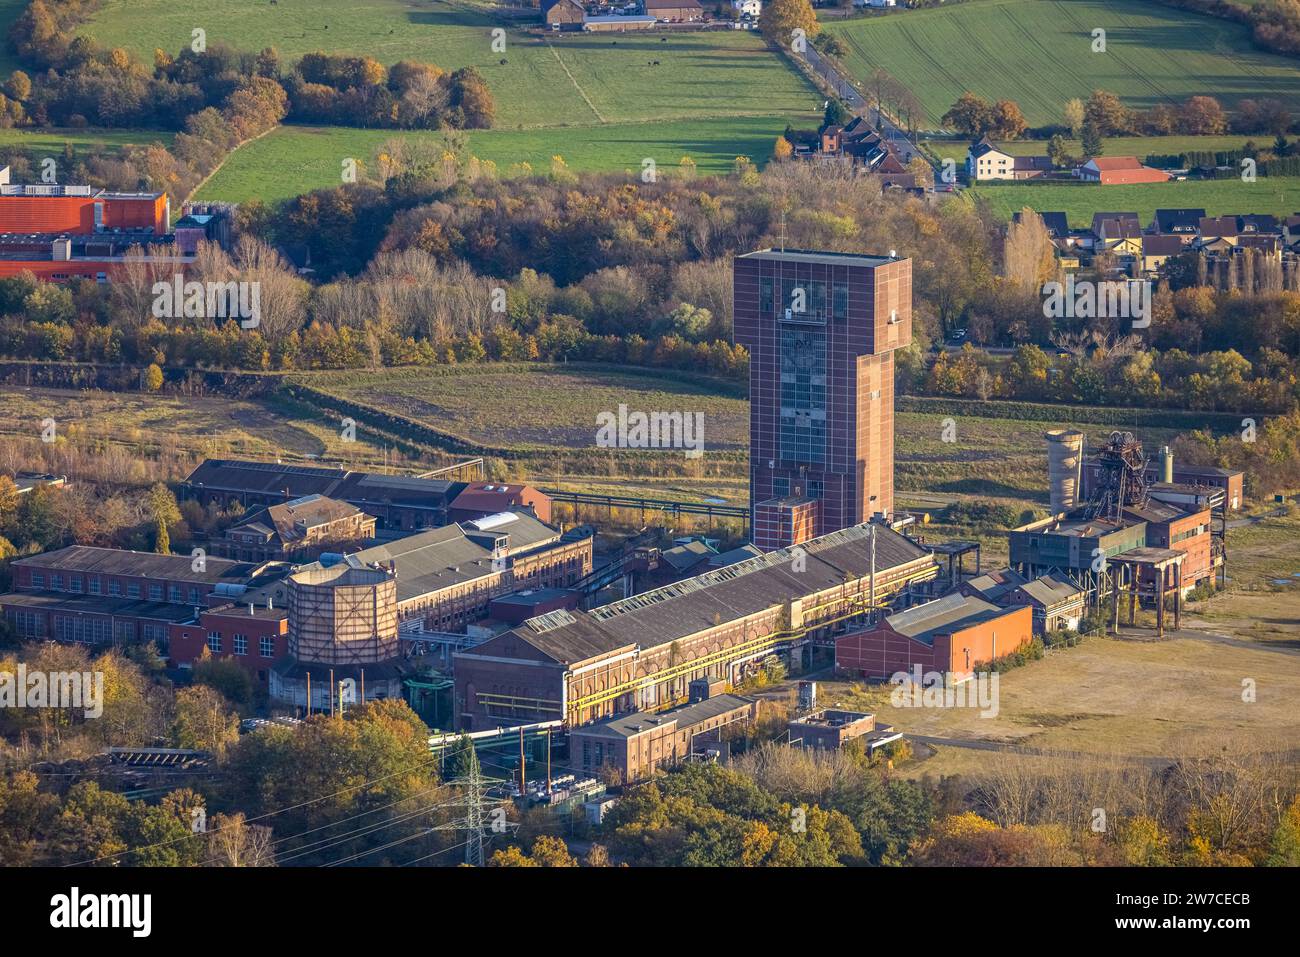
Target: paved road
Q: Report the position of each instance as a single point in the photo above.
(853, 98)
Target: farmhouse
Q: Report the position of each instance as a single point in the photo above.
(563, 14)
(674, 11)
(1118, 170)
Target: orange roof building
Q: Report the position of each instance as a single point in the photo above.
(1117, 170)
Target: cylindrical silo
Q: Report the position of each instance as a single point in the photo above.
(1064, 461)
(1166, 464)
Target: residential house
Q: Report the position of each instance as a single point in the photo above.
(1118, 235)
(747, 8)
(1291, 230)
(1177, 222)
(984, 161)
(1118, 170)
(1157, 250)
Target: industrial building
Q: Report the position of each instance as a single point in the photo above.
(109, 595)
(631, 747)
(298, 529)
(255, 635)
(821, 329)
(831, 729)
(1058, 603)
(135, 576)
(59, 233)
(641, 653)
(952, 635)
(398, 502)
(1128, 506)
(342, 628)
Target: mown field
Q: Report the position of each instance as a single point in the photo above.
(296, 159)
(537, 81)
(39, 143)
(1278, 195)
(1038, 53)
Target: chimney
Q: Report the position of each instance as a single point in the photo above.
(270, 603)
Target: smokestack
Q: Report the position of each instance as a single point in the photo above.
(1166, 464)
(1064, 461)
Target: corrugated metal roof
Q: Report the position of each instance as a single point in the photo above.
(726, 594)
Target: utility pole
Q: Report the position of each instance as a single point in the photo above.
(871, 598)
(474, 817)
(523, 766)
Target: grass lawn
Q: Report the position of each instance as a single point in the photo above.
(296, 159)
(40, 143)
(1038, 53)
(1278, 195)
(537, 81)
(1139, 146)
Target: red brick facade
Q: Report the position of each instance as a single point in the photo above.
(821, 377)
(881, 651)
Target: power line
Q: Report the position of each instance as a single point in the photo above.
(260, 817)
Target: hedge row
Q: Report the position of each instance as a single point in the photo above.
(1091, 415)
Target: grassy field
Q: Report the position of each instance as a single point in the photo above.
(296, 159)
(1139, 146)
(1038, 53)
(1110, 697)
(543, 407)
(50, 142)
(1277, 195)
(206, 426)
(538, 81)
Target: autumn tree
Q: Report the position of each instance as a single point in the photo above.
(970, 114)
(163, 512)
(204, 721)
(1203, 116)
(1028, 254)
(781, 18)
(1073, 116)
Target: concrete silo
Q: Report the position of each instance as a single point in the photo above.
(1064, 465)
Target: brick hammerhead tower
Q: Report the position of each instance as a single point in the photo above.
(821, 329)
